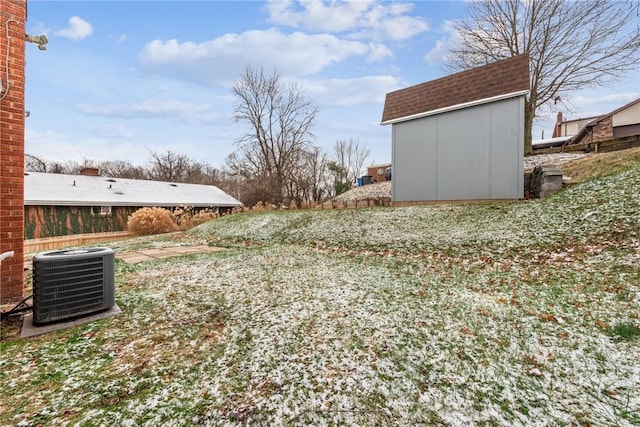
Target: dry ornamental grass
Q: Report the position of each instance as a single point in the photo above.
(147, 221)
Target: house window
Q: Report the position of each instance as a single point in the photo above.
(101, 210)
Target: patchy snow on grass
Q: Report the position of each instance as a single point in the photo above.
(481, 314)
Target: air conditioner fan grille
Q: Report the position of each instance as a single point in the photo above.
(72, 286)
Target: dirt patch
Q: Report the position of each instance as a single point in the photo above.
(132, 257)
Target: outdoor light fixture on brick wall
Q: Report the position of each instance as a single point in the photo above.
(41, 41)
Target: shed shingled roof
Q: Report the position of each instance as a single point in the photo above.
(507, 76)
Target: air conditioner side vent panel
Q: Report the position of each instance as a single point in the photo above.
(72, 283)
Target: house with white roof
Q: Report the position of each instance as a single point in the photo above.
(60, 204)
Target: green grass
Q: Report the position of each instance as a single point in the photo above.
(625, 331)
(509, 313)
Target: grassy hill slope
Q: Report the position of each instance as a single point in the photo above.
(605, 211)
(513, 313)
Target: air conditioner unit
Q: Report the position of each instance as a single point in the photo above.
(72, 283)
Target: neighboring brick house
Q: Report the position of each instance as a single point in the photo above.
(13, 16)
(571, 127)
(60, 205)
(620, 123)
(460, 137)
(376, 172)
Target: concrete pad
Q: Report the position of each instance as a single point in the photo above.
(154, 252)
(160, 253)
(133, 257)
(195, 249)
(30, 330)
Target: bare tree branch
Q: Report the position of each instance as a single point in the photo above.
(280, 122)
(34, 164)
(350, 156)
(571, 44)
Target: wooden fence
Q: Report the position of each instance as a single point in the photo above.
(597, 147)
(45, 244)
(350, 204)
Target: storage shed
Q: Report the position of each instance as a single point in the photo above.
(460, 137)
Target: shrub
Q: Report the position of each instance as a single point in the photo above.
(148, 221)
(186, 219)
(182, 217)
(203, 216)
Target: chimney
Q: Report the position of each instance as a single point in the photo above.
(557, 129)
(88, 171)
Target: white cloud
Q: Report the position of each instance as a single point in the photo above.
(222, 59)
(438, 55)
(189, 113)
(37, 27)
(110, 130)
(378, 52)
(362, 18)
(147, 109)
(50, 145)
(119, 39)
(402, 27)
(366, 90)
(440, 52)
(613, 98)
(78, 29)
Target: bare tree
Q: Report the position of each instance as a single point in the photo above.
(350, 156)
(308, 180)
(280, 121)
(204, 173)
(571, 44)
(319, 177)
(121, 169)
(168, 166)
(34, 164)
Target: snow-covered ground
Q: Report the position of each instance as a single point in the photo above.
(509, 313)
(382, 190)
(557, 159)
(379, 190)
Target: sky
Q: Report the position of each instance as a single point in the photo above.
(121, 79)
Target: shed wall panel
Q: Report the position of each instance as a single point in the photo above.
(507, 173)
(463, 153)
(418, 155)
(470, 154)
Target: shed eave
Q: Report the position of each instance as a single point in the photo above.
(456, 107)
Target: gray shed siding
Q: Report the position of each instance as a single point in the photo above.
(468, 154)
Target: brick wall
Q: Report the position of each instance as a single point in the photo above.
(13, 16)
(603, 130)
(377, 172)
